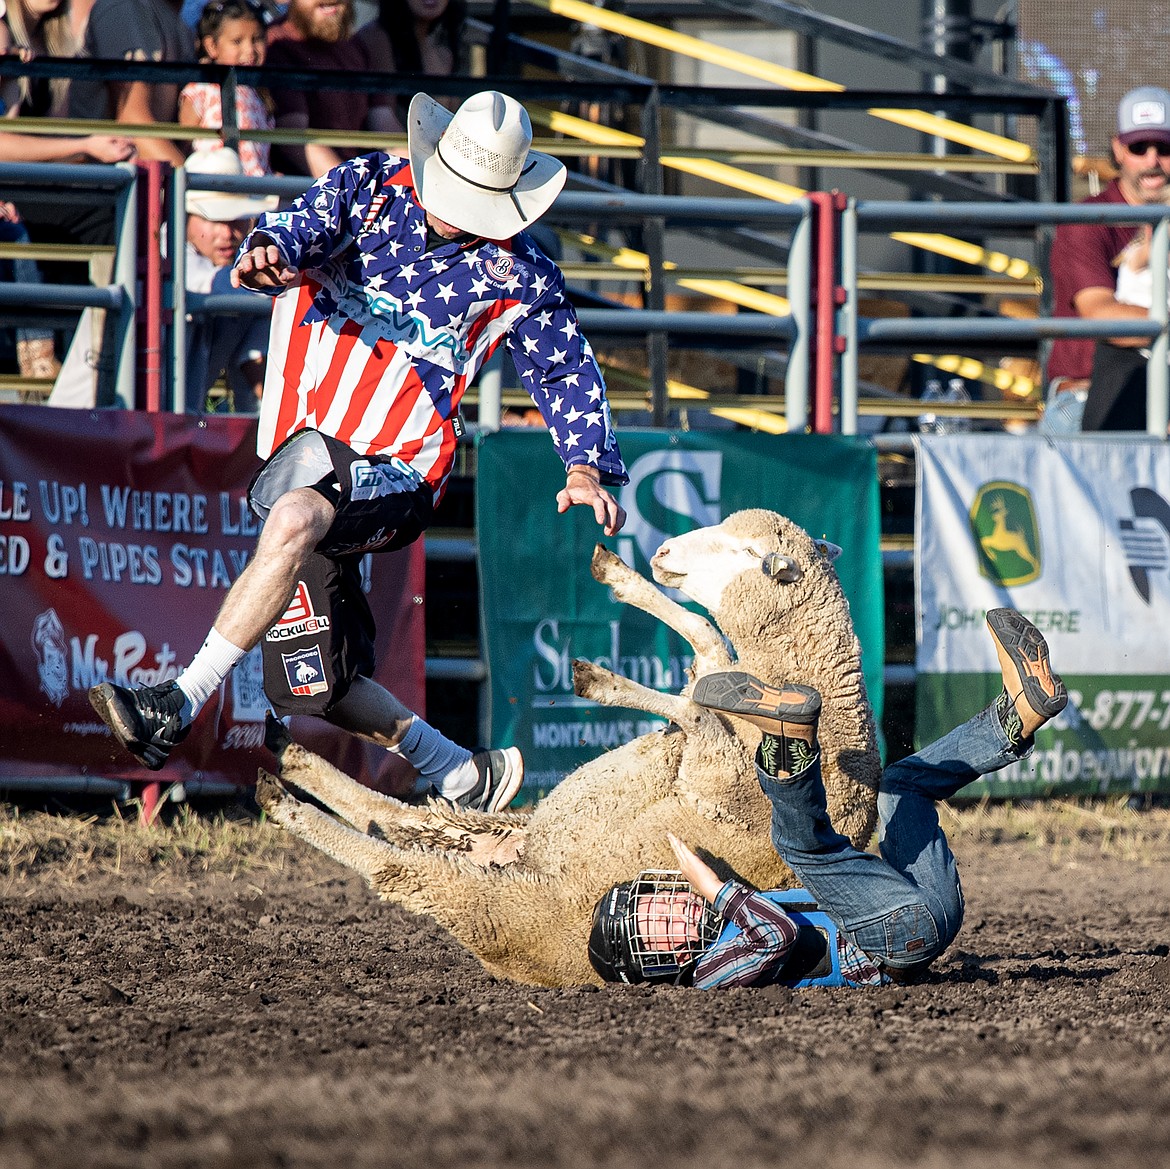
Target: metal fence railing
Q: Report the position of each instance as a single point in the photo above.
(858, 332)
(64, 183)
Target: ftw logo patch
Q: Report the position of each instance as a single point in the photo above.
(375, 480)
(299, 618)
(1146, 538)
(305, 671)
(1007, 536)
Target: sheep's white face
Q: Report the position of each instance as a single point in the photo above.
(701, 564)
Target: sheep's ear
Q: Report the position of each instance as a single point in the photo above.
(828, 549)
(781, 568)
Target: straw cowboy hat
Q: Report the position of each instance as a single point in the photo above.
(223, 206)
(474, 170)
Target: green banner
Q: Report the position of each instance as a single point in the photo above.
(540, 606)
(1113, 736)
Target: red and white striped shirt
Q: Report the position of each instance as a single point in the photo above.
(378, 339)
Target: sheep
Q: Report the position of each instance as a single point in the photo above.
(518, 889)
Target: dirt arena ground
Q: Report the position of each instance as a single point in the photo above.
(154, 1016)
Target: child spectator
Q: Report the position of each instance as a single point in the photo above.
(231, 32)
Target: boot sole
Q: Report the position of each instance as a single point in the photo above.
(756, 702)
(1025, 646)
(105, 701)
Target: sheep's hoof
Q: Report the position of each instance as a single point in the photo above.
(276, 736)
(605, 564)
(269, 791)
(587, 678)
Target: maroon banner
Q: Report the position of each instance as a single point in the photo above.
(120, 533)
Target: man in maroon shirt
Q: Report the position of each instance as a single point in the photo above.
(318, 34)
(1084, 261)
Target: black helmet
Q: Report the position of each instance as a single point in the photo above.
(616, 951)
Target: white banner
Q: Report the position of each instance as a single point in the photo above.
(1074, 533)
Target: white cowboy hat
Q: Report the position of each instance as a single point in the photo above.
(474, 169)
(223, 206)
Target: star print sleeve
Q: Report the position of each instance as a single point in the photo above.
(557, 367)
(318, 223)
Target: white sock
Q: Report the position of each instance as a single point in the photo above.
(439, 761)
(217, 657)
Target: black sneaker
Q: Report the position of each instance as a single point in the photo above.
(146, 722)
(500, 775)
(764, 706)
(1023, 658)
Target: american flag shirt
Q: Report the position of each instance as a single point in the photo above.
(755, 955)
(377, 340)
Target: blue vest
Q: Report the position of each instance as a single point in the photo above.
(814, 959)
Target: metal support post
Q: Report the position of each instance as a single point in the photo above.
(229, 116)
(151, 346)
(796, 380)
(849, 379)
(828, 207)
(1158, 366)
(126, 279)
(655, 241)
(178, 249)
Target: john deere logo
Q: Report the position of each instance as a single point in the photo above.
(1007, 536)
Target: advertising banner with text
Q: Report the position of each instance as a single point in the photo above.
(1076, 535)
(542, 607)
(120, 533)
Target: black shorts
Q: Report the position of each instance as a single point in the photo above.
(326, 637)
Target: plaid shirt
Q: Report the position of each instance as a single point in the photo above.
(754, 956)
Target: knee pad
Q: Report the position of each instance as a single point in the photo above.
(302, 460)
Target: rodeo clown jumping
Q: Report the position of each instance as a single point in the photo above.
(861, 919)
(395, 280)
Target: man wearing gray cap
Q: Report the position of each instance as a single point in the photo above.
(1084, 265)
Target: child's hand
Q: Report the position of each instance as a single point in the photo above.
(700, 874)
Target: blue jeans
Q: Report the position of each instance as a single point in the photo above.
(904, 907)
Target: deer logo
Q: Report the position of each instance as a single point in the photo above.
(1003, 523)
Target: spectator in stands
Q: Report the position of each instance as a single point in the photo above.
(45, 29)
(135, 30)
(1084, 261)
(319, 35)
(416, 36)
(29, 30)
(36, 355)
(217, 222)
(231, 32)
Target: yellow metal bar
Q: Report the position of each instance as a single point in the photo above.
(770, 421)
(858, 159)
(973, 370)
(745, 297)
(79, 252)
(779, 75)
